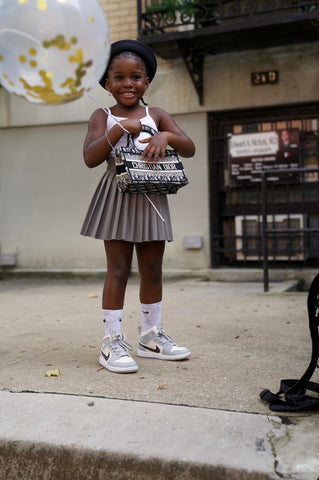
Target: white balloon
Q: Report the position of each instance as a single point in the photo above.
(52, 51)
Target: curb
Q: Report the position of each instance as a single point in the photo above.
(66, 437)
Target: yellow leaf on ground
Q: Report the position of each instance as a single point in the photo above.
(161, 387)
(53, 373)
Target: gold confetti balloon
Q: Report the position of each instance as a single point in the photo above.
(52, 51)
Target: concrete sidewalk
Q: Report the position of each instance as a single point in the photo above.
(195, 419)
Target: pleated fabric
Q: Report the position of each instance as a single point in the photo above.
(113, 215)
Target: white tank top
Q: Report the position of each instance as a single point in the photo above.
(146, 120)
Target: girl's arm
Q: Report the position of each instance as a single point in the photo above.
(96, 147)
(169, 134)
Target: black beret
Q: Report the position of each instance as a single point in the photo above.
(142, 50)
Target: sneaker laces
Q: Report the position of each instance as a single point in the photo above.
(164, 337)
(120, 346)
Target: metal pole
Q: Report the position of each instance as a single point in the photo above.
(264, 230)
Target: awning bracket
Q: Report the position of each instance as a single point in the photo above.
(194, 61)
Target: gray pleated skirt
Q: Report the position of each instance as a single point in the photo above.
(113, 215)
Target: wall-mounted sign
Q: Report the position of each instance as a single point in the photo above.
(251, 153)
(264, 78)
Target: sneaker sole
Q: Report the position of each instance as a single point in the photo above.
(131, 369)
(162, 356)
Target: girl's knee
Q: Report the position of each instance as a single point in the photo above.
(151, 273)
(119, 275)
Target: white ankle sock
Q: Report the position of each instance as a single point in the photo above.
(151, 314)
(112, 321)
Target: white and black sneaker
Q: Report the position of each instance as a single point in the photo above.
(156, 343)
(114, 355)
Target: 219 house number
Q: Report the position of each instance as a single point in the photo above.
(264, 78)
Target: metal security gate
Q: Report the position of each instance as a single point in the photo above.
(236, 196)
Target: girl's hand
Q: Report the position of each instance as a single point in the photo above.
(132, 125)
(156, 147)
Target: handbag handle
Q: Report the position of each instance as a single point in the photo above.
(130, 138)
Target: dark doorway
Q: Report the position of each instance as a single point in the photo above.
(235, 186)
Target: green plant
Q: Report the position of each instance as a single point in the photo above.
(306, 8)
(163, 5)
(205, 9)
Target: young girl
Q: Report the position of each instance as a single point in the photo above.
(123, 220)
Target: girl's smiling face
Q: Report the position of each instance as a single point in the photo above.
(127, 80)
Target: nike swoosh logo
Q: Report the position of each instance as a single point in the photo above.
(106, 357)
(156, 350)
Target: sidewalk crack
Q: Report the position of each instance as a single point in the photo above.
(279, 434)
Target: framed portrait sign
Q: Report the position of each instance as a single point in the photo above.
(251, 153)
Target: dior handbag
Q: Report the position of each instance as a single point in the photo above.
(135, 175)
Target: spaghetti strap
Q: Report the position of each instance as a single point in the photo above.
(108, 111)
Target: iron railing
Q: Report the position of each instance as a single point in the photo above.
(271, 234)
(164, 16)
